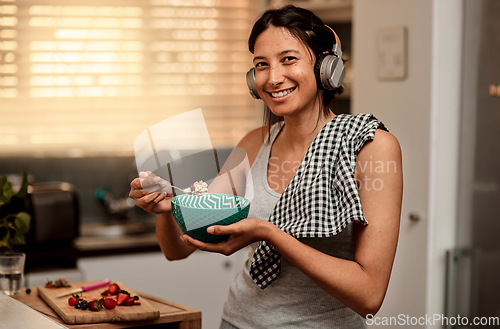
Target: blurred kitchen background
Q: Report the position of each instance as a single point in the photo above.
(80, 79)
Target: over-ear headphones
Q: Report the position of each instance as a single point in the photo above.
(329, 70)
(251, 83)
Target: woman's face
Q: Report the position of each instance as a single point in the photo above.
(284, 73)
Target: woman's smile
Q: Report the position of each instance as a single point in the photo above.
(281, 93)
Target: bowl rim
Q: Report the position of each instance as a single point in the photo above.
(175, 202)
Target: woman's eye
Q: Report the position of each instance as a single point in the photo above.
(289, 59)
(260, 64)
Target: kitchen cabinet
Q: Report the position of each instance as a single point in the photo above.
(200, 281)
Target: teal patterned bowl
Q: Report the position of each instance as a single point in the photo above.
(194, 214)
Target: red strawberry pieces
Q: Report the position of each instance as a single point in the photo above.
(109, 303)
(109, 299)
(124, 299)
(121, 297)
(72, 301)
(95, 305)
(113, 289)
(61, 283)
(129, 301)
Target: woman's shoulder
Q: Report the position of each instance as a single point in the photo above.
(384, 140)
(359, 128)
(383, 147)
(253, 141)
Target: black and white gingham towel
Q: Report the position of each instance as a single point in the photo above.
(322, 197)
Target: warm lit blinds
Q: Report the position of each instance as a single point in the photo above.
(85, 77)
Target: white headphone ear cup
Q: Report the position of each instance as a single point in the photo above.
(331, 72)
(251, 83)
(338, 74)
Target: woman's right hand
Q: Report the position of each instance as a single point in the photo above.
(154, 202)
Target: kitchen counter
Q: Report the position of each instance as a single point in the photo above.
(172, 315)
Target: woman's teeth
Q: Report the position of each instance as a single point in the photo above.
(282, 93)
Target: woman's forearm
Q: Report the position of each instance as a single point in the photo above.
(168, 236)
(345, 280)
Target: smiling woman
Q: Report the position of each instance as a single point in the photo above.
(322, 247)
(76, 79)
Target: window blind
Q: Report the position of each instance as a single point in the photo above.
(85, 77)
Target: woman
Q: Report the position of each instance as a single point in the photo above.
(327, 193)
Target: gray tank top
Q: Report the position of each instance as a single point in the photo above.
(293, 300)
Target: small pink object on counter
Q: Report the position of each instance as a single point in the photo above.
(86, 288)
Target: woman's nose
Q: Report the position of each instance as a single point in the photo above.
(276, 75)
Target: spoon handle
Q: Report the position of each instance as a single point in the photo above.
(178, 188)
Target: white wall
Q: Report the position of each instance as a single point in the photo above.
(404, 107)
(422, 112)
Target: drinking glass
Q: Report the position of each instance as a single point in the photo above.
(11, 272)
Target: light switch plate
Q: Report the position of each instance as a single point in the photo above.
(391, 53)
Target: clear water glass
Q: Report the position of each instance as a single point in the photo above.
(11, 272)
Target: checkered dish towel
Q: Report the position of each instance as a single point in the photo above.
(322, 197)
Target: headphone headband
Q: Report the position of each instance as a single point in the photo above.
(337, 39)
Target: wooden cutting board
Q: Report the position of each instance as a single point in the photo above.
(71, 315)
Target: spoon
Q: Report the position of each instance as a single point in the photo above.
(184, 190)
(180, 189)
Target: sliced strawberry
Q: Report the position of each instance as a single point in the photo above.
(114, 289)
(129, 301)
(106, 293)
(109, 303)
(92, 306)
(61, 283)
(137, 302)
(72, 301)
(95, 305)
(121, 297)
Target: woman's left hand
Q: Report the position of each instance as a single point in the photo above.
(242, 233)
